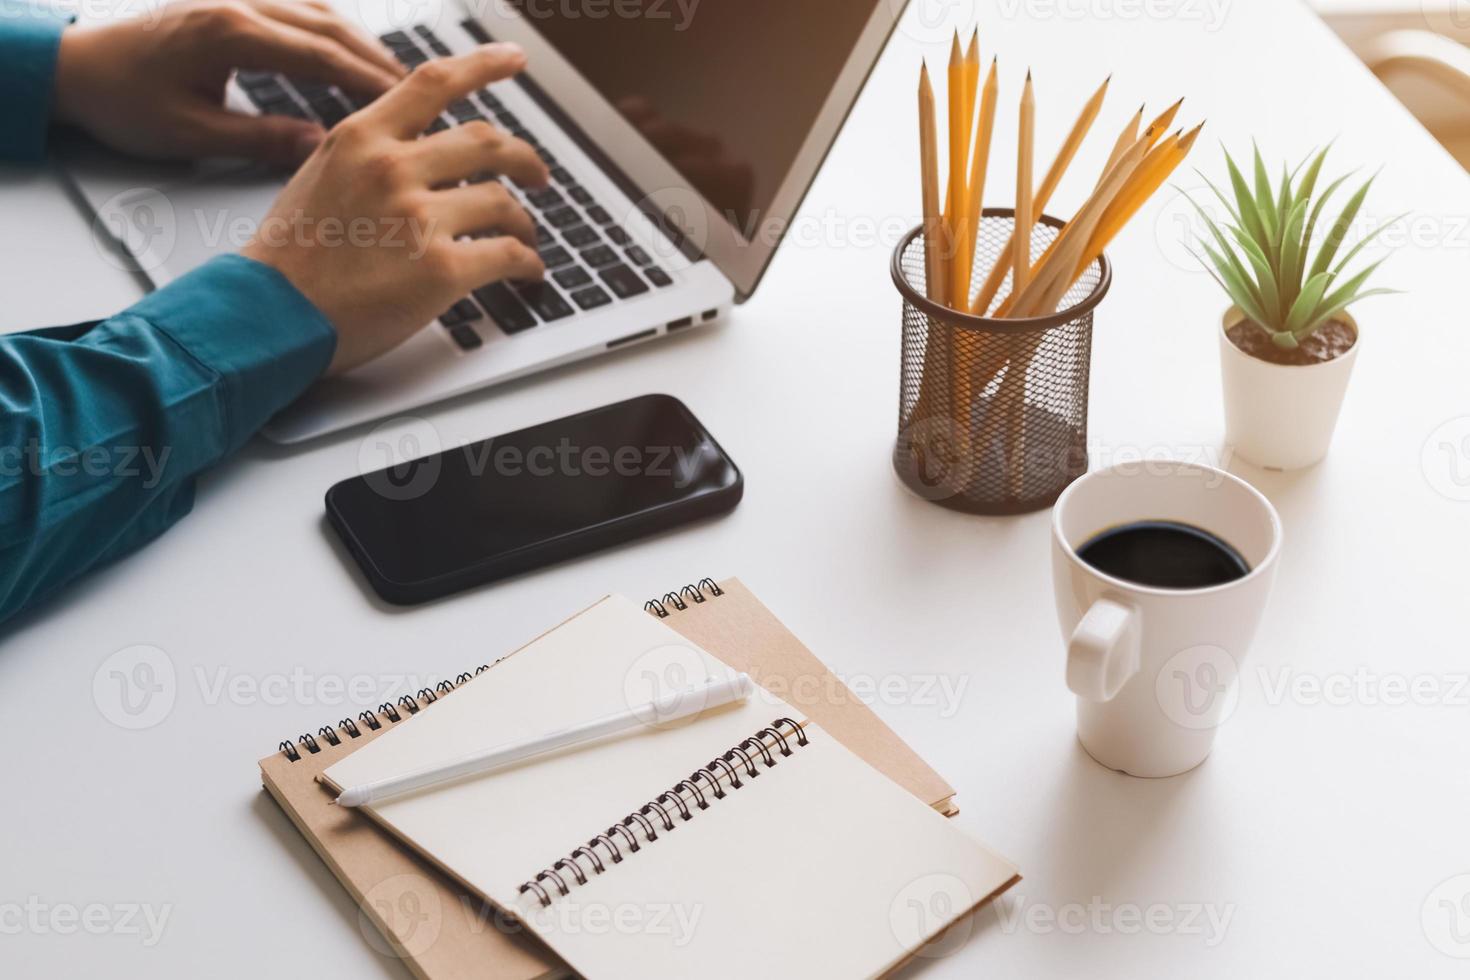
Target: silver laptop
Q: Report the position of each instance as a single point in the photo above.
(681, 137)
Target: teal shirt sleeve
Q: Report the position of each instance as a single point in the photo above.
(29, 41)
(105, 426)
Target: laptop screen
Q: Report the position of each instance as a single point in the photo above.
(726, 90)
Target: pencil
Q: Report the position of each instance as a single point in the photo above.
(1049, 184)
(1161, 125)
(929, 167)
(1054, 278)
(959, 145)
(1119, 213)
(964, 259)
(1025, 143)
(975, 187)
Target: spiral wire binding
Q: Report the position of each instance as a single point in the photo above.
(664, 813)
(681, 599)
(348, 729)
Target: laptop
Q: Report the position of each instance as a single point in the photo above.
(681, 137)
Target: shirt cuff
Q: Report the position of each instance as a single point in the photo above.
(246, 322)
(29, 40)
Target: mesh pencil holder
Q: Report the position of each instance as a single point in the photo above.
(992, 413)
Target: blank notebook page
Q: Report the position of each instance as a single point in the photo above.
(819, 866)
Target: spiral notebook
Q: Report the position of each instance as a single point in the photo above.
(748, 837)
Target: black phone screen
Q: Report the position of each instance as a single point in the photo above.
(543, 493)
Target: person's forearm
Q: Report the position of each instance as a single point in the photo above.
(29, 40)
(107, 425)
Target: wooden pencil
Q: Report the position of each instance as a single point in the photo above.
(959, 144)
(1026, 139)
(975, 187)
(934, 286)
(1049, 184)
(964, 246)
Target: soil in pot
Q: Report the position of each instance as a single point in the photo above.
(1329, 341)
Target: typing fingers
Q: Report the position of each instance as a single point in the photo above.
(479, 208)
(414, 103)
(482, 260)
(320, 19)
(478, 147)
(255, 41)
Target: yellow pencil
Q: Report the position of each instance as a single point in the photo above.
(1121, 212)
(959, 144)
(934, 286)
(1049, 184)
(964, 194)
(975, 188)
(1026, 140)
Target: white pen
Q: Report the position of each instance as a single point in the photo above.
(659, 711)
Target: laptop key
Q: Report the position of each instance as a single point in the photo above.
(572, 277)
(580, 194)
(547, 197)
(544, 236)
(580, 236)
(465, 110)
(618, 235)
(657, 276)
(591, 297)
(397, 39)
(505, 308)
(623, 281)
(464, 335)
(547, 157)
(329, 110)
(431, 39)
(563, 217)
(462, 312)
(437, 126)
(284, 106)
(599, 255)
(561, 175)
(508, 119)
(637, 256)
(489, 101)
(545, 300)
(599, 214)
(555, 257)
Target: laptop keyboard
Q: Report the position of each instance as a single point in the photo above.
(591, 260)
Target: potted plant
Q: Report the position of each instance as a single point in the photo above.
(1287, 342)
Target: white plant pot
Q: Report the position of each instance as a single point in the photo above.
(1281, 416)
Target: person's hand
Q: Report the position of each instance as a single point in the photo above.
(375, 230)
(155, 88)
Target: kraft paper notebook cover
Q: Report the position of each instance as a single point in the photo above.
(784, 847)
(395, 887)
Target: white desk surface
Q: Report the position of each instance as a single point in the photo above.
(1323, 829)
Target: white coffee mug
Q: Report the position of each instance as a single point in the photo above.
(1154, 669)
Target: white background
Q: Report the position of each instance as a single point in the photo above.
(1321, 829)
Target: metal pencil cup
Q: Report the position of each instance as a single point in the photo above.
(992, 413)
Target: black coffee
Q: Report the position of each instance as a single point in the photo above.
(1164, 555)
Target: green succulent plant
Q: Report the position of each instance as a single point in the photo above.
(1262, 257)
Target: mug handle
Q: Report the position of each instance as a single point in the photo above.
(1103, 651)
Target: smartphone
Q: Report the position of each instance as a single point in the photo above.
(439, 524)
